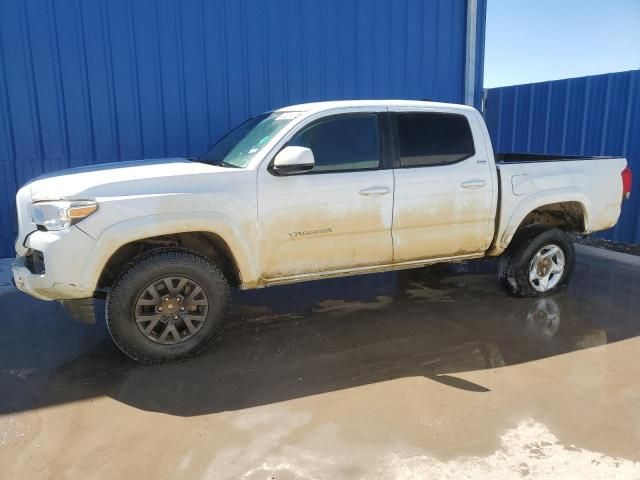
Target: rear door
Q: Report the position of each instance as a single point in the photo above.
(336, 216)
(443, 186)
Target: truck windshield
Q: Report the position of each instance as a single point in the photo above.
(237, 148)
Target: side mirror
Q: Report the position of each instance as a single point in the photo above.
(293, 160)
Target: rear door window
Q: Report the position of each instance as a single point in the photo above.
(426, 139)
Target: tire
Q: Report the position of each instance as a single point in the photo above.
(519, 275)
(191, 319)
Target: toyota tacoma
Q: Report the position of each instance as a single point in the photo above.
(302, 193)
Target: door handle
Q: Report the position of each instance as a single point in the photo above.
(473, 184)
(375, 191)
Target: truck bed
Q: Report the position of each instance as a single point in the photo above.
(592, 184)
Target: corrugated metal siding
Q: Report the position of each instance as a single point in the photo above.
(598, 115)
(88, 81)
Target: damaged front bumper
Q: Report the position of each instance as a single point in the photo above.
(38, 286)
(50, 267)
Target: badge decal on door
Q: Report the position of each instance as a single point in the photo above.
(306, 233)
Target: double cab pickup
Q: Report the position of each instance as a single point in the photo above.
(296, 194)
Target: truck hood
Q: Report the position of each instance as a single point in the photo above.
(114, 179)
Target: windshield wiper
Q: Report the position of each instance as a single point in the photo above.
(222, 163)
(217, 163)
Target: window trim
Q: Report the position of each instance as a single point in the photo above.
(395, 137)
(381, 124)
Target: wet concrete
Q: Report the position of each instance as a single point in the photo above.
(418, 374)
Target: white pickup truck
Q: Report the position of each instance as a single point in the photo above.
(302, 193)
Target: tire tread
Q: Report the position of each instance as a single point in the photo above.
(179, 256)
(513, 274)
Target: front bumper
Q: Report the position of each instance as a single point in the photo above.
(65, 254)
(30, 283)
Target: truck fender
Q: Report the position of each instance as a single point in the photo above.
(540, 199)
(139, 228)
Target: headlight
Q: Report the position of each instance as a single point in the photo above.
(62, 214)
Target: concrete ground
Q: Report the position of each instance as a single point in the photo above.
(422, 374)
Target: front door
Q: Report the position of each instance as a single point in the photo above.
(337, 215)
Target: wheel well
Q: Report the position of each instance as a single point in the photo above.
(569, 216)
(207, 244)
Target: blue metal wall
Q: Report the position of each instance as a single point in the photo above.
(598, 115)
(88, 81)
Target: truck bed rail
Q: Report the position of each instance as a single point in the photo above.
(511, 157)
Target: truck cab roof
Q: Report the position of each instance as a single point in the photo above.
(338, 104)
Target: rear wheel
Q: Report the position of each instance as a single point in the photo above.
(167, 305)
(538, 263)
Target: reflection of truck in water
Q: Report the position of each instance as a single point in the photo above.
(297, 341)
(302, 193)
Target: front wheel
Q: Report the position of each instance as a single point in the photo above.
(539, 263)
(167, 305)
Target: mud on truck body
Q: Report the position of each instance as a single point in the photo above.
(302, 193)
